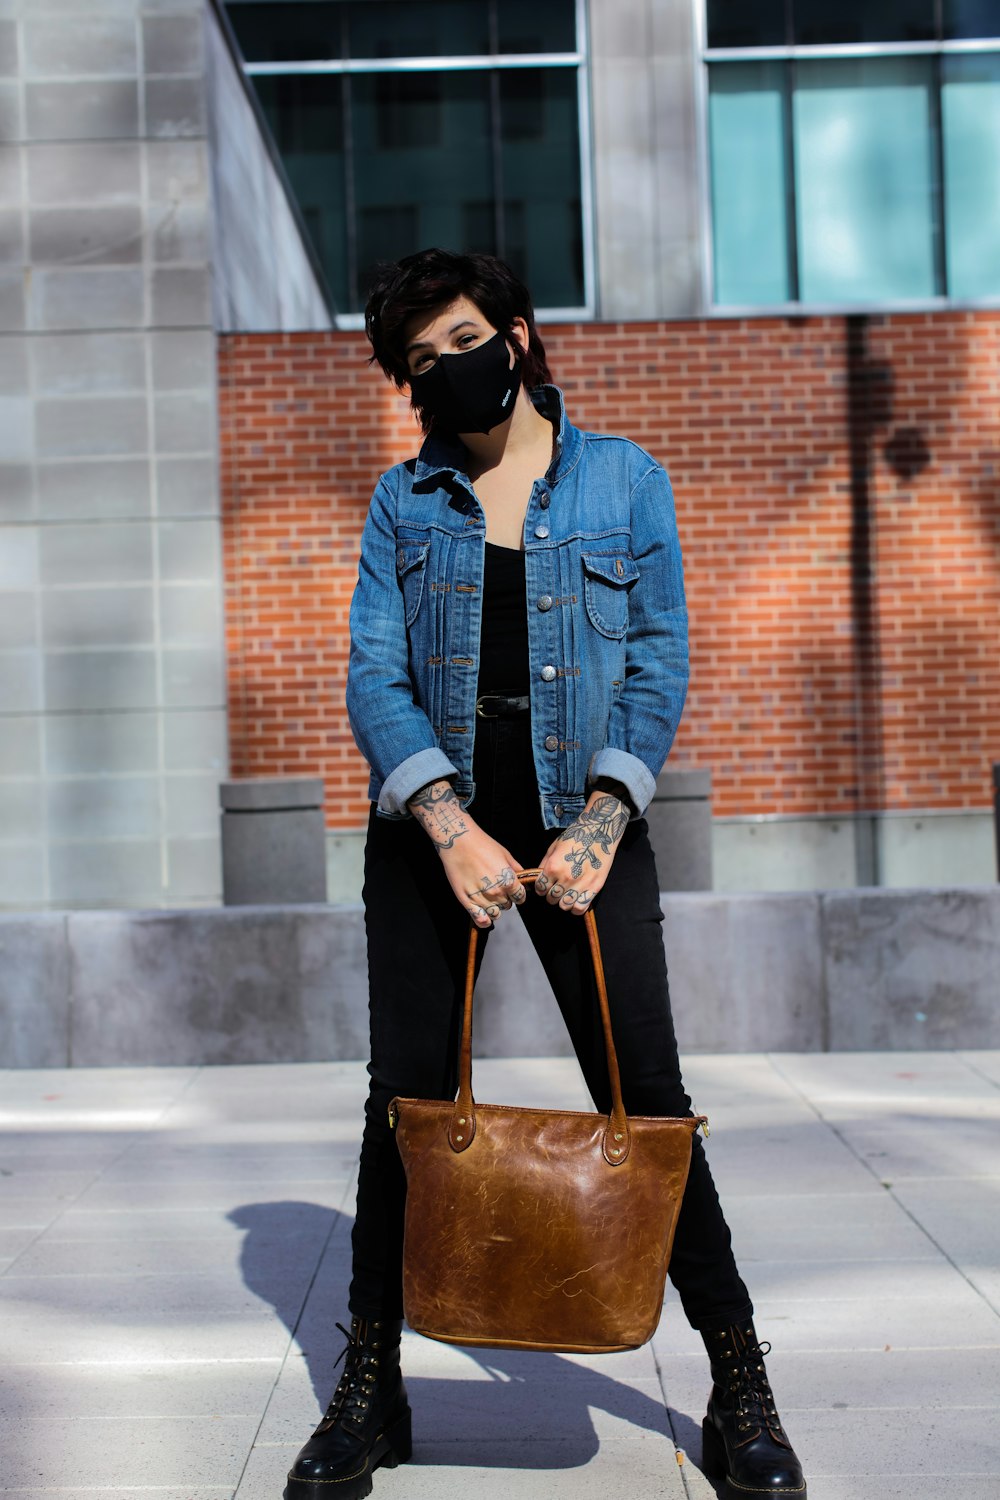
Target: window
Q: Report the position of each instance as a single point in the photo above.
(451, 122)
(854, 151)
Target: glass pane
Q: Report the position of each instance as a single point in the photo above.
(528, 26)
(746, 23)
(749, 196)
(971, 18)
(295, 31)
(422, 150)
(970, 109)
(540, 155)
(434, 28)
(864, 180)
(305, 113)
(819, 21)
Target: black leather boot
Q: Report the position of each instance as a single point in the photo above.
(743, 1440)
(367, 1423)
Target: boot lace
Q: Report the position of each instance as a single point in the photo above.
(751, 1390)
(351, 1400)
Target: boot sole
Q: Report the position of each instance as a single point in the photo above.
(391, 1448)
(715, 1466)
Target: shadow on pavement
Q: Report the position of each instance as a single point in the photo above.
(283, 1240)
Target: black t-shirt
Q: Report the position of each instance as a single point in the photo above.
(503, 650)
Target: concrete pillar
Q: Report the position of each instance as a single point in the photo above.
(680, 830)
(273, 842)
(646, 164)
(112, 664)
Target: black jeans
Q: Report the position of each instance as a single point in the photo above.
(417, 947)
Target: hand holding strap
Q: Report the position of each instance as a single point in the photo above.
(616, 1141)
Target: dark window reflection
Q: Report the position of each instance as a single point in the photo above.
(306, 115)
(540, 156)
(536, 26)
(292, 31)
(436, 176)
(383, 163)
(840, 21)
(967, 19)
(407, 110)
(746, 23)
(430, 28)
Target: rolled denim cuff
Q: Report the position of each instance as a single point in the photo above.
(408, 777)
(633, 773)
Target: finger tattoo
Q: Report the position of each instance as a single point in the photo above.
(556, 890)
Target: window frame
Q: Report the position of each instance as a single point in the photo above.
(705, 58)
(485, 63)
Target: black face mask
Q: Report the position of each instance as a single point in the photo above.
(470, 392)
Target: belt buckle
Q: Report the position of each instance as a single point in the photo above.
(480, 711)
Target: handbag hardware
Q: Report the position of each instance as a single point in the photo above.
(538, 1229)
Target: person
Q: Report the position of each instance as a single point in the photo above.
(518, 669)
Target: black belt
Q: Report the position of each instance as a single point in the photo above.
(502, 705)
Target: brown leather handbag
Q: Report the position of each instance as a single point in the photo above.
(533, 1228)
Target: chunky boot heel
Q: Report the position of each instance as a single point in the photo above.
(743, 1440)
(400, 1442)
(713, 1451)
(367, 1424)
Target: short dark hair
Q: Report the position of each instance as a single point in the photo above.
(433, 278)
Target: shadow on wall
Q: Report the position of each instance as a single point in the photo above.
(507, 1394)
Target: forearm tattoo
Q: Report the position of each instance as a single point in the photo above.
(600, 826)
(439, 812)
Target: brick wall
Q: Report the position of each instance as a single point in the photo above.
(838, 488)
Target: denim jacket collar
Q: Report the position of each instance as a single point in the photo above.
(444, 453)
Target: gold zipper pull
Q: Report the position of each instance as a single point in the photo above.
(703, 1125)
(393, 1115)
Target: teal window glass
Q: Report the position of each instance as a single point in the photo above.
(540, 188)
(865, 180)
(749, 197)
(306, 115)
(968, 19)
(385, 160)
(409, 191)
(288, 30)
(970, 113)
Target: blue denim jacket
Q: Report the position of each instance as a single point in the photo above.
(607, 624)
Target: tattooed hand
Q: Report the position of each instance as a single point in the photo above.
(439, 812)
(479, 870)
(578, 860)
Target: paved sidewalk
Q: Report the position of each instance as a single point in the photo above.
(174, 1247)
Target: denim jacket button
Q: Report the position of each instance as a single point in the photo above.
(548, 674)
(545, 602)
(541, 531)
(558, 809)
(551, 742)
(543, 501)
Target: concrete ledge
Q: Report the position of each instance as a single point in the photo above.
(852, 970)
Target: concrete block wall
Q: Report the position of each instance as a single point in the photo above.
(852, 970)
(113, 734)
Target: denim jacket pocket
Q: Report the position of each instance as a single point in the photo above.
(609, 576)
(411, 560)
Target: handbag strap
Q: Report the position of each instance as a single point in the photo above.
(617, 1140)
